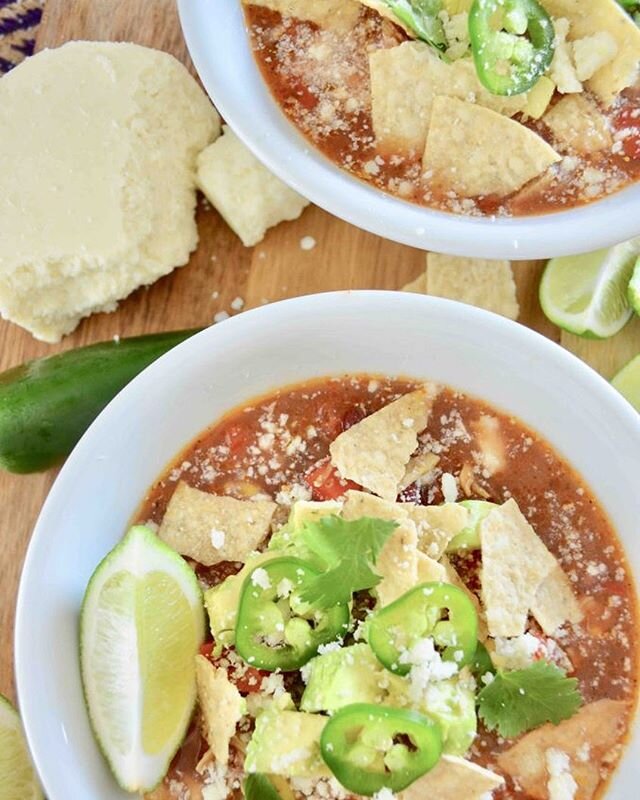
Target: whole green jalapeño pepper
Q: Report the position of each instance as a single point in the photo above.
(369, 748)
(438, 610)
(512, 42)
(275, 630)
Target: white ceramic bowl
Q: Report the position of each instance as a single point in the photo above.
(126, 448)
(218, 43)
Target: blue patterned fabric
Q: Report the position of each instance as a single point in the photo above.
(19, 20)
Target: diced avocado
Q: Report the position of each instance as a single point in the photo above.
(288, 537)
(287, 743)
(311, 511)
(452, 703)
(469, 537)
(222, 601)
(349, 675)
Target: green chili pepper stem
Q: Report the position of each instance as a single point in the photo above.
(369, 748)
(47, 404)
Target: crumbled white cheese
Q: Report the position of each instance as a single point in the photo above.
(517, 652)
(290, 495)
(218, 538)
(562, 71)
(592, 53)
(384, 794)
(449, 488)
(330, 647)
(260, 577)
(426, 666)
(561, 784)
(284, 588)
(307, 243)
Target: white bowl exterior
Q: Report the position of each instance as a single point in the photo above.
(185, 391)
(218, 44)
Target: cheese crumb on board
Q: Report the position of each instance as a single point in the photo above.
(107, 203)
(246, 194)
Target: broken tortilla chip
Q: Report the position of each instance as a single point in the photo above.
(578, 125)
(437, 525)
(462, 156)
(453, 778)
(374, 452)
(416, 286)
(477, 281)
(397, 564)
(418, 467)
(586, 738)
(492, 454)
(456, 580)
(515, 562)
(430, 570)
(210, 529)
(404, 82)
(221, 706)
(555, 603)
(331, 14)
(603, 16)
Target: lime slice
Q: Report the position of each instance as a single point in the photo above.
(587, 294)
(634, 288)
(17, 778)
(627, 382)
(141, 625)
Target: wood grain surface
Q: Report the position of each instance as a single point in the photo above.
(343, 258)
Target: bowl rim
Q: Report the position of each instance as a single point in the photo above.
(207, 341)
(257, 120)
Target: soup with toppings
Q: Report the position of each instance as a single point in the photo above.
(464, 107)
(493, 647)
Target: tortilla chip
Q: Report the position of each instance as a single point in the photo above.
(417, 468)
(221, 705)
(456, 580)
(555, 602)
(453, 778)
(400, 549)
(430, 570)
(476, 281)
(210, 529)
(539, 98)
(586, 738)
(404, 82)
(331, 14)
(398, 561)
(437, 525)
(515, 562)
(417, 286)
(374, 452)
(462, 154)
(604, 16)
(578, 125)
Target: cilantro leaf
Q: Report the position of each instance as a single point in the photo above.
(523, 699)
(349, 549)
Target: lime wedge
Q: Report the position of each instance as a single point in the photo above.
(141, 625)
(627, 382)
(587, 294)
(17, 778)
(634, 288)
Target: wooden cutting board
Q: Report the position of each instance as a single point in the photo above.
(344, 258)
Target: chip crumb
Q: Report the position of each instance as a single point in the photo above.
(220, 316)
(237, 304)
